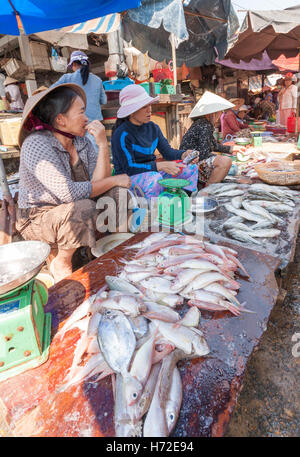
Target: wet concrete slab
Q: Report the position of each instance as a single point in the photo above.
(269, 403)
(282, 247)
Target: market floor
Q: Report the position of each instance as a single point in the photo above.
(269, 403)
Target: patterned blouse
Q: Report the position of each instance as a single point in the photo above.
(200, 137)
(46, 175)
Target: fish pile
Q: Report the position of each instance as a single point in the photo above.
(131, 330)
(254, 210)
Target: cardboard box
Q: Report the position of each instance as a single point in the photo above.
(9, 131)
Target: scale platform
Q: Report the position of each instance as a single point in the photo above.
(25, 329)
(173, 202)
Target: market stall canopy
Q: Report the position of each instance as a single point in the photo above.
(37, 16)
(277, 32)
(76, 36)
(265, 63)
(287, 63)
(203, 29)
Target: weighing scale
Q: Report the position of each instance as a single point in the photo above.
(174, 202)
(25, 328)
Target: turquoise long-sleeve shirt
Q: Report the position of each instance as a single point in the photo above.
(94, 90)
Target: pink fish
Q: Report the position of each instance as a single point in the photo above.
(157, 246)
(221, 306)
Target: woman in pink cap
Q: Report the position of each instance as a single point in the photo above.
(134, 141)
(287, 99)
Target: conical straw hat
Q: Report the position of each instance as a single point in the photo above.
(8, 80)
(35, 99)
(210, 103)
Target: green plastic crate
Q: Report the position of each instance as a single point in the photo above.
(157, 87)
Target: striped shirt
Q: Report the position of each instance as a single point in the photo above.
(45, 171)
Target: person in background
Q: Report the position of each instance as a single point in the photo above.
(266, 110)
(134, 141)
(205, 115)
(13, 94)
(231, 125)
(267, 94)
(4, 104)
(61, 174)
(90, 83)
(287, 99)
(242, 114)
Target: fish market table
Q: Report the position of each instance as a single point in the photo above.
(32, 403)
(281, 246)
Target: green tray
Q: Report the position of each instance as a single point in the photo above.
(174, 183)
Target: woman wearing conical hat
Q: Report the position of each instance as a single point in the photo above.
(13, 94)
(205, 115)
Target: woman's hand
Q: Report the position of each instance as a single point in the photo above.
(123, 181)
(97, 129)
(186, 153)
(171, 167)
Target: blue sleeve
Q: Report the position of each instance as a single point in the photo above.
(62, 80)
(124, 158)
(165, 149)
(103, 97)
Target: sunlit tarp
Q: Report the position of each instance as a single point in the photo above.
(38, 16)
(276, 31)
(207, 38)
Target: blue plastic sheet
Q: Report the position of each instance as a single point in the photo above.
(41, 15)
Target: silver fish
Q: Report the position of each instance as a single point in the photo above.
(276, 207)
(230, 223)
(116, 340)
(242, 236)
(216, 188)
(262, 225)
(174, 400)
(244, 214)
(170, 299)
(256, 209)
(155, 424)
(229, 193)
(124, 425)
(164, 313)
(267, 233)
(140, 408)
(121, 285)
(139, 325)
(160, 285)
(237, 202)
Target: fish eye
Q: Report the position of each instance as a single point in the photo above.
(172, 417)
(108, 312)
(134, 395)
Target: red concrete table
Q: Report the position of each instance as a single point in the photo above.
(32, 405)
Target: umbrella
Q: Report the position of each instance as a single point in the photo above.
(38, 16)
(287, 63)
(277, 32)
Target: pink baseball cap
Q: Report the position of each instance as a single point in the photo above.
(132, 98)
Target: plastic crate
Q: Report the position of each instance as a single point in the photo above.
(157, 87)
(168, 89)
(117, 84)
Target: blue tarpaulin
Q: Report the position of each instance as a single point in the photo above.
(41, 15)
(206, 26)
